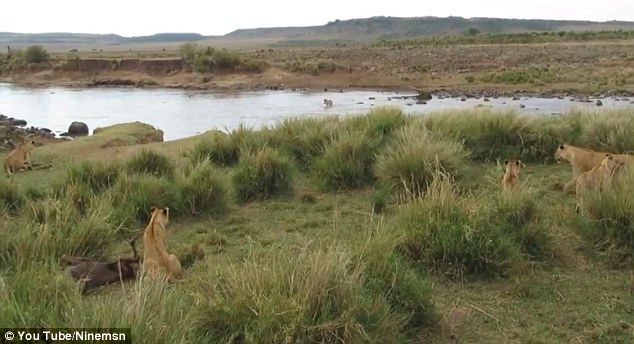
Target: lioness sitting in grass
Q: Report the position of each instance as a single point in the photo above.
(512, 174)
(596, 178)
(19, 158)
(582, 160)
(156, 259)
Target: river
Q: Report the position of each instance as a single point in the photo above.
(182, 113)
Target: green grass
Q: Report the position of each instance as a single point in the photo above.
(459, 261)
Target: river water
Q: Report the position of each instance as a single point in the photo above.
(182, 113)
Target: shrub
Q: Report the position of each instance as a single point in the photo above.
(408, 165)
(445, 235)
(203, 191)
(254, 66)
(347, 161)
(609, 225)
(262, 174)
(203, 64)
(226, 59)
(219, 148)
(188, 51)
(152, 163)
(35, 54)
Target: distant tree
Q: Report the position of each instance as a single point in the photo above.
(35, 54)
(473, 31)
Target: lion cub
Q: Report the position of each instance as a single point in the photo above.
(19, 158)
(155, 255)
(512, 174)
(598, 175)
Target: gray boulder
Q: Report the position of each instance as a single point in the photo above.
(78, 129)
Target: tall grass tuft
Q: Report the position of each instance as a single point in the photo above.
(380, 122)
(219, 148)
(312, 296)
(98, 176)
(248, 139)
(52, 227)
(387, 273)
(609, 224)
(12, 197)
(347, 161)
(134, 195)
(518, 215)
(446, 235)
(609, 131)
(489, 135)
(486, 134)
(40, 295)
(203, 190)
(150, 162)
(263, 174)
(304, 139)
(408, 165)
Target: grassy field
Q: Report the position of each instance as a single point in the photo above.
(383, 228)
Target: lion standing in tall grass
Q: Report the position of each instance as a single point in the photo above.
(155, 255)
(596, 178)
(583, 160)
(19, 158)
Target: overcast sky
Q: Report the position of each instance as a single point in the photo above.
(143, 17)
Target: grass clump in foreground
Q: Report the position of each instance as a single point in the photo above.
(446, 235)
(263, 174)
(609, 224)
(319, 294)
(518, 215)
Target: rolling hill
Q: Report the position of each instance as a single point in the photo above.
(353, 30)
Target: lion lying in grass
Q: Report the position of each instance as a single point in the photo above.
(156, 259)
(583, 160)
(596, 178)
(19, 159)
(92, 273)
